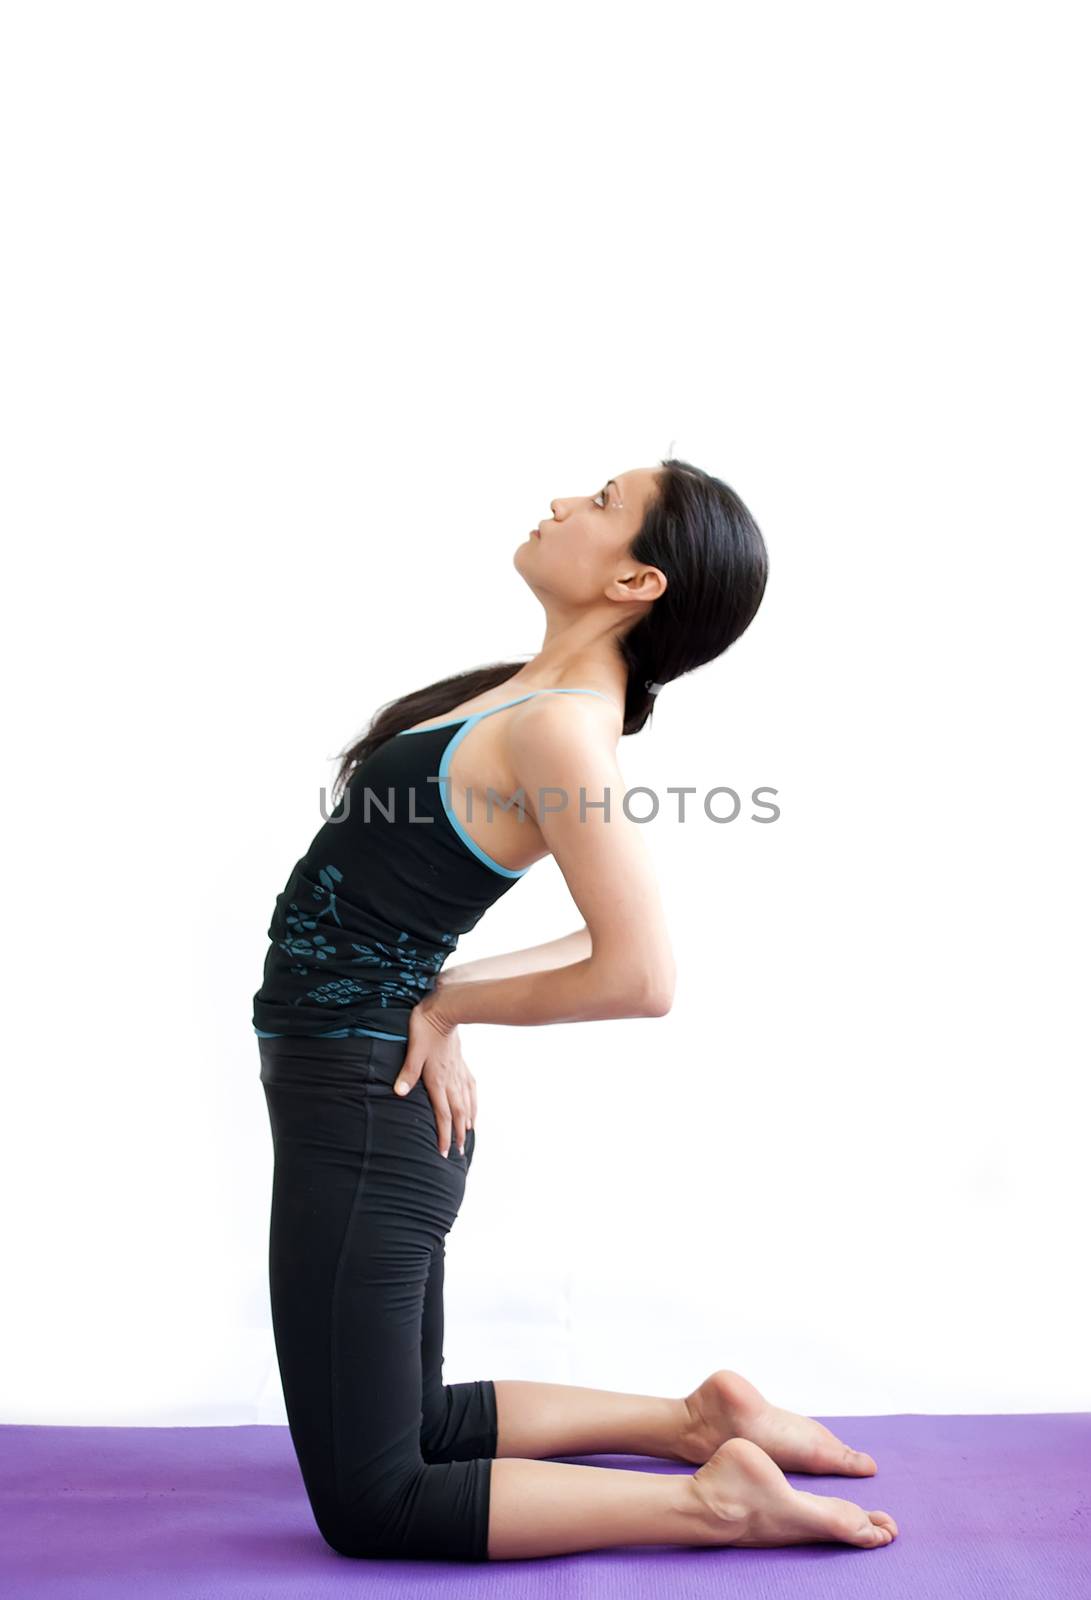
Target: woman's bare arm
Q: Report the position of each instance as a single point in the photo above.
(562, 750)
(574, 993)
(511, 964)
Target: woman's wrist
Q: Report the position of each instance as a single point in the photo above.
(435, 1010)
(463, 973)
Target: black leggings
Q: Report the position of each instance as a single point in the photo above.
(395, 1463)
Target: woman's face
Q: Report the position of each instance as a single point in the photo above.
(582, 551)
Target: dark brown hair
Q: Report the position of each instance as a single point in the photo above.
(703, 539)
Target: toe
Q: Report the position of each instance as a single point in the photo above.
(872, 1532)
(851, 1523)
(861, 1530)
(858, 1462)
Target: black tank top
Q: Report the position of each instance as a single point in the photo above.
(389, 884)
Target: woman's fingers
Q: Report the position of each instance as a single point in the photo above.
(408, 1073)
(450, 1085)
(443, 1121)
(451, 1122)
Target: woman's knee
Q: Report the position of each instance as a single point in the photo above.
(363, 1542)
(356, 1534)
(435, 1515)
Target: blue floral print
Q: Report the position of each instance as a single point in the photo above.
(409, 970)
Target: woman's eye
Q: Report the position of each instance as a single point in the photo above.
(595, 498)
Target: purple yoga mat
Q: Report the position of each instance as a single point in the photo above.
(986, 1506)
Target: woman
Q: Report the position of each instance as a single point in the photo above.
(450, 797)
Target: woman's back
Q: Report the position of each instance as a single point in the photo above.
(393, 879)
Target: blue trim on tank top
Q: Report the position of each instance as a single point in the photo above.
(335, 1033)
(449, 750)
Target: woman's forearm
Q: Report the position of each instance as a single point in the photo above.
(512, 963)
(580, 992)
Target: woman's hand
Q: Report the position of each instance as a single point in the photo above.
(435, 1054)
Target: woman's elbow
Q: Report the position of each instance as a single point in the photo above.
(626, 994)
(659, 1002)
(656, 996)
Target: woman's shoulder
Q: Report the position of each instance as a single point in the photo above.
(553, 711)
(564, 740)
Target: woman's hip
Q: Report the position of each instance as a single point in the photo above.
(344, 1142)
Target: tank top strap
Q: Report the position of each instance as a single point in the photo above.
(478, 715)
(599, 692)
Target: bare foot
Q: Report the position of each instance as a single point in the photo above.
(726, 1406)
(748, 1501)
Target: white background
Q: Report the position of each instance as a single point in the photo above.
(309, 312)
